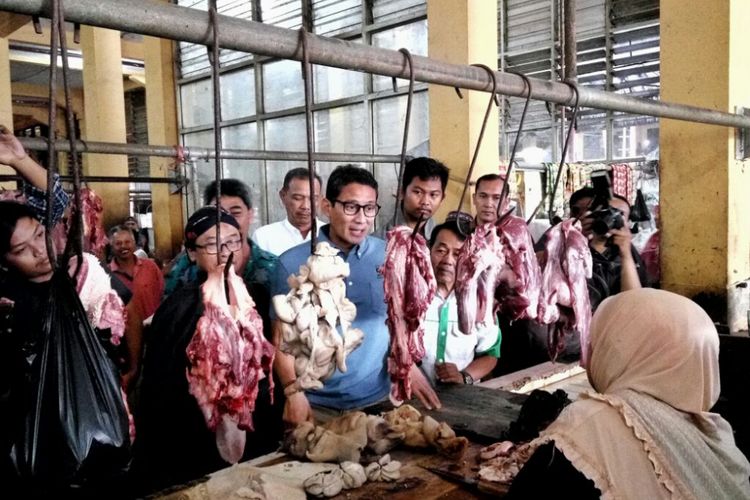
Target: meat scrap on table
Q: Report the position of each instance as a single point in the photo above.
(228, 357)
(410, 286)
(347, 437)
(309, 315)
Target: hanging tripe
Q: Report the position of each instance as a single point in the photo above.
(310, 313)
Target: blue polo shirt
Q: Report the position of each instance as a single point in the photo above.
(366, 379)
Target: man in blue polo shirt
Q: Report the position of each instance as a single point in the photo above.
(351, 206)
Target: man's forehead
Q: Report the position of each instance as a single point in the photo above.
(491, 187)
(298, 185)
(448, 238)
(619, 204)
(230, 203)
(124, 235)
(358, 192)
(432, 183)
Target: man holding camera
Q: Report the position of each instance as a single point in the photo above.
(617, 264)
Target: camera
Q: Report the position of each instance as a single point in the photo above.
(605, 218)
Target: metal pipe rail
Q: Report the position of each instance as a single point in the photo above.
(180, 181)
(190, 25)
(191, 153)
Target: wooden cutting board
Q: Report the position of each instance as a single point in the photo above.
(480, 414)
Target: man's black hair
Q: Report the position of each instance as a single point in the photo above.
(10, 213)
(491, 178)
(451, 225)
(582, 193)
(425, 169)
(298, 173)
(116, 229)
(343, 175)
(620, 197)
(487, 178)
(229, 187)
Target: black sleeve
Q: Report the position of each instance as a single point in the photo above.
(643, 276)
(262, 299)
(548, 474)
(173, 443)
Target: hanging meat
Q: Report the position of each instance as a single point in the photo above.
(92, 207)
(310, 313)
(228, 357)
(520, 279)
(94, 236)
(478, 268)
(564, 300)
(410, 287)
(103, 306)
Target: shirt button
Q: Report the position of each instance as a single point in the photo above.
(351, 284)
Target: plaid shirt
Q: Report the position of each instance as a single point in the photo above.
(37, 200)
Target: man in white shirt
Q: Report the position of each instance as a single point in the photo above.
(451, 357)
(279, 237)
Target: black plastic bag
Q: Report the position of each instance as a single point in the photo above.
(75, 426)
(640, 211)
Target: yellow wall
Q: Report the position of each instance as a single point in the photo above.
(704, 190)
(462, 33)
(104, 112)
(161, 106)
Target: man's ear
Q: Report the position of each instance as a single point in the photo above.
(326, 206)
(191, 254)
(282, 192)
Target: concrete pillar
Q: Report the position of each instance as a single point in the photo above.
(462, 33)
(704, 189)
(6, 102)
(8, 24)
(161, 108)
(104, 112)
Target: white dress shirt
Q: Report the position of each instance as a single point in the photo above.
(279, 237)
(460, 349)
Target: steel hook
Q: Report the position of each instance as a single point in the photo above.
(307, 81)
(493, 99)
(404, 141)
(75, 235)
(52, 115)
(574, 87)
(506, 186)
(214, 54)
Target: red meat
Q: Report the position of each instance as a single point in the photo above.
(521, 278)
(409, 289)
(228, 356)
(564, 300)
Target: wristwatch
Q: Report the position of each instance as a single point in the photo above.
(468, 379)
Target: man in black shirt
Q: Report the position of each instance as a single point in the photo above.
(617, 264)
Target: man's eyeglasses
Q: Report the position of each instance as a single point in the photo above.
(464, 220)
(351, 208)
(214, 248)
